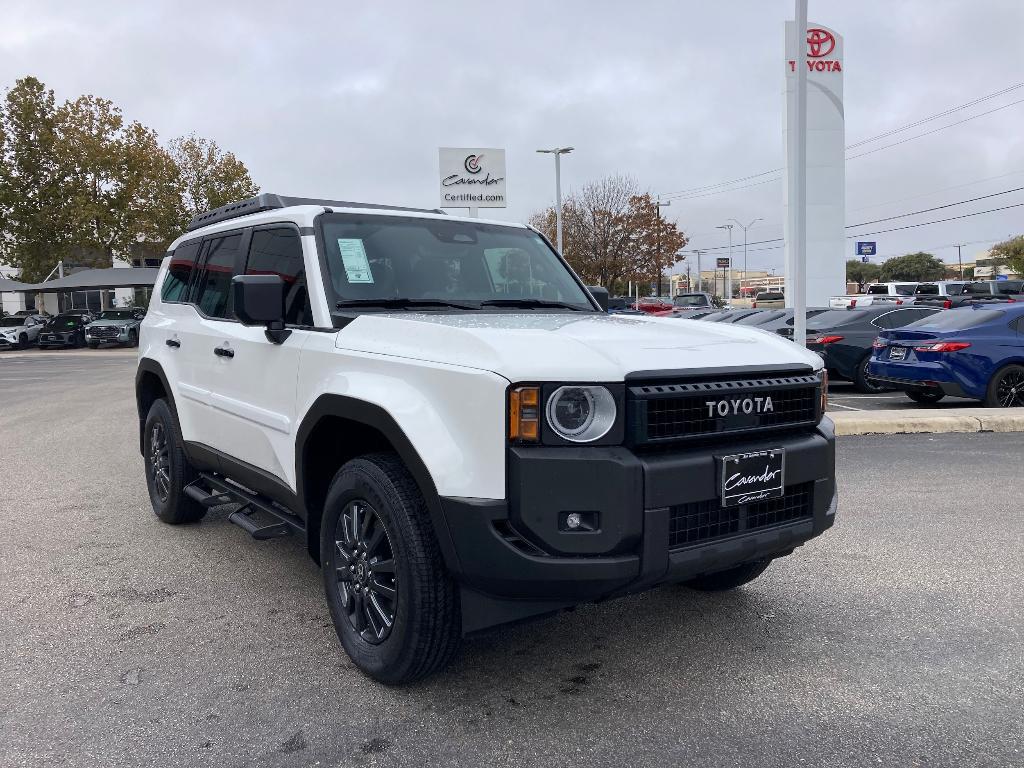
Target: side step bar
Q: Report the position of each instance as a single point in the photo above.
(226, 492)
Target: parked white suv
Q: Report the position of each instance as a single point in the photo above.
(461, 434)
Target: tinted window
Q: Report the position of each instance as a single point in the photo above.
(927, 289)
(958, 319)
(875, 290)
(976, 289)
(901, 317)
(213, 277)
(770, 297)
(279, 252)
(906, 289)
(761, 317)
(1008, 287)
(180, 270)
(833, 317)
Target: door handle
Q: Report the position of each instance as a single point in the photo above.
(173, 343)
(223, 352)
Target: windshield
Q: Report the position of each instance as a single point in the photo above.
(834, 317)
(958, 319)
(64, 321)
(117, 314)
(11, 322)
(698, 300)
(374, 259)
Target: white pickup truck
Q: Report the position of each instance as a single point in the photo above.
(877, 293)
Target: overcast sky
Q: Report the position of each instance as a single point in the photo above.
(333, 100)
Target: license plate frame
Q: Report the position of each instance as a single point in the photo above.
(747, 478)
(897, 353)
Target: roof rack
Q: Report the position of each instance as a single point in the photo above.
(270, 202)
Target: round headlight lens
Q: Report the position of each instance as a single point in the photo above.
(581, 414)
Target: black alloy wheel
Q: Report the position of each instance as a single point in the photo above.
(365, 569)
(160, 460)
(1006, 390)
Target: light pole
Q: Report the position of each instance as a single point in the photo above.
(727, 283)
(558, 152)
(745, 228)
(657, 255)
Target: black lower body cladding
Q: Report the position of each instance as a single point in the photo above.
(657, 518)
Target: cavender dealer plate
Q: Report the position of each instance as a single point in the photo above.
(751, 477)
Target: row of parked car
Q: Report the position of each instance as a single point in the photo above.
(75, 328)
(928, 351)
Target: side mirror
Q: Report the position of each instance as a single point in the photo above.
(600, 295)
(259, 300)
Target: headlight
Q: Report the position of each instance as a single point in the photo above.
(581, 414)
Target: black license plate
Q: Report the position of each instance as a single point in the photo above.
(897, 353)
(752, 477)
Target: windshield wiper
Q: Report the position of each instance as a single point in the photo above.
(403, 303)
(530, 304)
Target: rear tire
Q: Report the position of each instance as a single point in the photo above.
(731, 578)
(168, 470)
(395, 607)
(926, 398)
(133, 339)
(1006, 388)
(862, 381)
(23, 341)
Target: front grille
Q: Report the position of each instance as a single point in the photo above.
(105, 331)
(702, 521)
(670, 412)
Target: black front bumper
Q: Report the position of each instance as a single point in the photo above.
(516, 560)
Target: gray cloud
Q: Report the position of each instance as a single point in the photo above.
(352, 102)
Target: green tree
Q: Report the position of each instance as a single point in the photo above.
(1009, 253)
(913, 267)
(33, 203)
(208, 176)
(861, 272)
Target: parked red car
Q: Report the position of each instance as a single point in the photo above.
(654, 305)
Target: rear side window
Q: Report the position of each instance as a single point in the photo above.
(278, 251)
(213, 277)
(901, 317)
(1008, 287)
(878, 290)
(959, 319)
(183, 261)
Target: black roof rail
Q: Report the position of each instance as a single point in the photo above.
(269, 202)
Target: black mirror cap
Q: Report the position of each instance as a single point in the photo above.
(600, 295)
(259, 299)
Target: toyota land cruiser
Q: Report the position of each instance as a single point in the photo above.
(460, 434)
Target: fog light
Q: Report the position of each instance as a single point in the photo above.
(573, 521)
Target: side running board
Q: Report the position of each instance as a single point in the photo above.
(225, 492)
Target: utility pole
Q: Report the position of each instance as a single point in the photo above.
(700, 278)
(658, 205)
(960, 261)
(558, 152)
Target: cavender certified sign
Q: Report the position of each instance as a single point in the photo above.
(472, 177)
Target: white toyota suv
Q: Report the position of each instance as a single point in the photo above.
(461, 434)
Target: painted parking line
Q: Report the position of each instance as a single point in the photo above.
(847, 407)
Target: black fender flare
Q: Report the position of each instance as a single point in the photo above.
(148, 365)
(375, 417)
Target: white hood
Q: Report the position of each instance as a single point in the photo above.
(561, 347)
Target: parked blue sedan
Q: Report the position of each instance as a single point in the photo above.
(975, 352)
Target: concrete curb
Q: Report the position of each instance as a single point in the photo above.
(929, 420)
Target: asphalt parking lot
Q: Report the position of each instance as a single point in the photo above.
(897, 639)
(842, 396)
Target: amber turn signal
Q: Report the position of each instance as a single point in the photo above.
(524, 414)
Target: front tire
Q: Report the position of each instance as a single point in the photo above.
(926, 398)
(23, 341)
(1006, 388)
(394, 606)
(731, 578)
(168, 470)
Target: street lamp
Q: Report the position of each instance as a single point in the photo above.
(745, 228)
(727, 283)
(558, 152)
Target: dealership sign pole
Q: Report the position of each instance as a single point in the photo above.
(815, 165)
(472, 178)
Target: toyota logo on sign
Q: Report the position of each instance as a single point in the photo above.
(820, 42)
(472, 163)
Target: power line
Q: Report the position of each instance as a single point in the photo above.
(936, 208)
(685, 193)
(934, 191)
(937, 221)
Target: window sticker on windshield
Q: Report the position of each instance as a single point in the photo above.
(353, 256)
